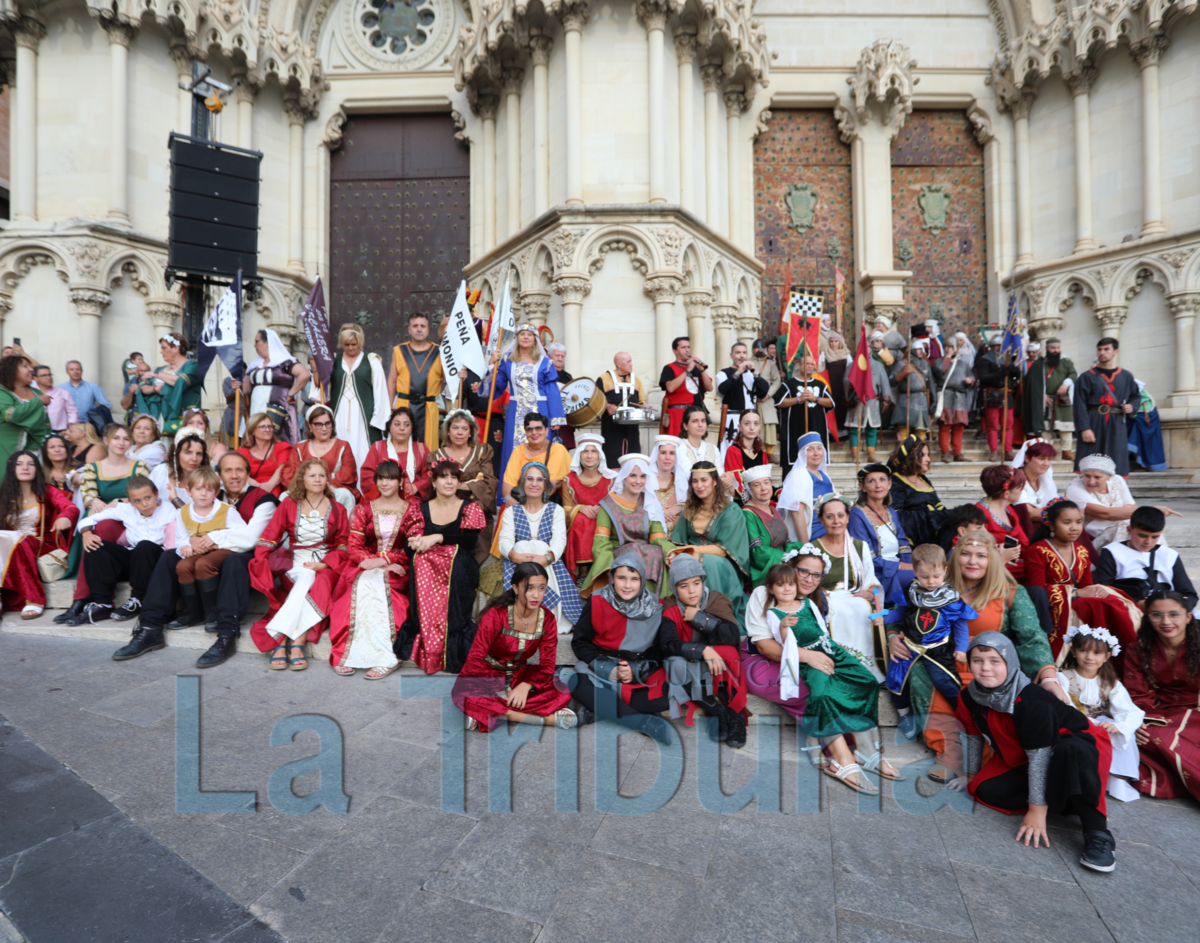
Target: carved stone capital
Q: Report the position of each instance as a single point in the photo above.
(1081, 80)
(248, 85)
(539, 49)
(1046, 327)
(182, 56)
(884, 79)
(90, 301)
(724, 317)
(572, 289)
(486, 105)
(536, 305)
(697, 303)
(711, 74)
(6, 305)
(332, 138)
(120, 32)
(163, 313)
(297, 109)
(1184, 304)
(1111, 317)
(892, 313)
(735, 102)
(511, 79)
(652, 14)
(574, 14)
(1147, 52)
(27, 31)
(685, 45)
(662, 288)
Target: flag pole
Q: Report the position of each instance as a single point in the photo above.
(487, 419)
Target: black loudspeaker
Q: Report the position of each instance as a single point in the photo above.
(214, 209)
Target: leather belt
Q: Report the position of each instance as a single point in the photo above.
(1104, 410)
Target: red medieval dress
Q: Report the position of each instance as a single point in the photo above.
(1012, 527)
(261, 469)
(383, 451)
(31, 537)
(339, 462)
(442, 587)
(581, 529)
(1170, 697)
(1045, 568)
(687, 674)
(272, 561)
(502, 657)
(369, 606)
(738, 460)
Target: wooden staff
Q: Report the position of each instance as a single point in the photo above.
(487, 419)
(237, 416)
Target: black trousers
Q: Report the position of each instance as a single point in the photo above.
(640, 702)
(158, 605)
(233, 591)
(111, 563)
(1070, 784)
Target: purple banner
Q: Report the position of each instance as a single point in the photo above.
(316, 328)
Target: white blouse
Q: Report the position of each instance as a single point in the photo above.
(1120, 708)
(558, 534)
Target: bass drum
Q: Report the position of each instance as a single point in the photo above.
(583, 402)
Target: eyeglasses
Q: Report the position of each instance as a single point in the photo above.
(1174, 614)
(808, 574)
(321, 425)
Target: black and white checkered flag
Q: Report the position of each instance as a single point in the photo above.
(807, 304)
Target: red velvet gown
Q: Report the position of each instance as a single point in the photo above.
(365, 542)
(262, 469)
(339, 461)
(581, 529)
(422, 475)
(21, 583)
(502, 657)
(270, 561)
(1044, 567)
(1171, 760)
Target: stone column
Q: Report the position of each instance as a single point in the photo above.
(296, 115)
(1147, 53)
(1183, 308)
(90, 303)
(685, 54)
(573, 289)
(653, 16)
(696, 302)
(27, 33)
(724, 319)
(662, 290)
(747, 329)
(536, 304)
(182, 57)
(574, 16)
(1080, 84)
(539, 51)
(512, 145)
(711, 75)
(487, 106)
(1110, 318)
(1020, 112)
(247, 92)
(735, 103)
(120, 35)
(164, 315)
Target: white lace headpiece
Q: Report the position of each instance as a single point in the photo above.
(809, 550)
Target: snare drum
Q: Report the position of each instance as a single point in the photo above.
(635, 415)
(583, 402)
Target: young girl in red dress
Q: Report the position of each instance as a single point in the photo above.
(746, 451)
(586, 485)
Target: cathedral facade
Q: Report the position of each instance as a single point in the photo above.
(633, 170)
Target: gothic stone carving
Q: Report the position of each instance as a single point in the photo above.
(934, 200)
(801, 200)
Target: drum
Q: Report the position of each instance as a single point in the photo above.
(583, 402)
(635, 415)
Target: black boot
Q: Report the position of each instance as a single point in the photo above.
(193, 613)
(73, 612)
(737, 730)
(144, 640)
(208, 601)
(221, 651)
(715, 708)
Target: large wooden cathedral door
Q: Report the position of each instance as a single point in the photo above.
(399, 223)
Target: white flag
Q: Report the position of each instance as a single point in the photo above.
(460, 349)
(502, 320)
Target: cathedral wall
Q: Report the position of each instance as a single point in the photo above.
(1052, 149)
(1116, 125)
(1180, 84)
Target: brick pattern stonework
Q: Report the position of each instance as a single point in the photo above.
(949, 266)
(801, 146)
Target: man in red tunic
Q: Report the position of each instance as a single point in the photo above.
(684, 382)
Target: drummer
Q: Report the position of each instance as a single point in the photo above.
(622, 390)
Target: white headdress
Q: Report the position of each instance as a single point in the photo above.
(798, 485)
(1046, 483)
(654, 508)
(308, 413)
(662, 440)
(582, 441)
(1098, 461)
(276, 352)
(753, 474)
(809, 550)
(1101, 634)
(511, 347)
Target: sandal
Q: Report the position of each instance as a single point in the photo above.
(32, 611)
(942, 774)
(344, 670)
(472, 723)
(815, 753)
(876, 763)
(295, 663)
(565, 719)
(843, 774)
(278, 660)
(380, 672)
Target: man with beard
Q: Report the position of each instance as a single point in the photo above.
(1104, 396)
(740, 388)
(1060, 378)
(1032, 392)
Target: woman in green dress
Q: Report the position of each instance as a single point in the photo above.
(175, 382)
(23, 422)
(713, 529)
(630, 519)
(765, 524)
(843, 697)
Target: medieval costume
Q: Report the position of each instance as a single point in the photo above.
(503, 656)
(688, 393)
(739, 460)
(737, 393)
(30, 537)
(933, 626)
(727, 574)
(955, 398)
(304, 597)
(913, 380)
(370, 606)
(626, 526)
(1115, 494)
(1060, 417)
(1145, 434)
(767, 530)
(994, 378)
(804, 488)
(850, 616)
(581, 529)
(1141, 572)
(413, 461)
(1170, 761)
(418, 382)
(687, 455)
(442, 584)
(532, 389)
(270, 380)
(359, 400)
(867, 416)
(801, 418)
(1010, 526)
(1099, 396)
(174, 401)
(477, 479)
(109, 490)
(543, 532)
(339, 463)
(262, 469)
(888, 544)
(620, 438)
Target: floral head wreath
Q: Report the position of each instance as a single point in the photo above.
(1046, 509)
(826, 498)
(169, 339)
(1100, 634)
(1098, 461)
(188, 432)
(809, 550)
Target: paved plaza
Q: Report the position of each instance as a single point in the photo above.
(97, 852)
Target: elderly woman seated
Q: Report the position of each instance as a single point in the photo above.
(1105, 499)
